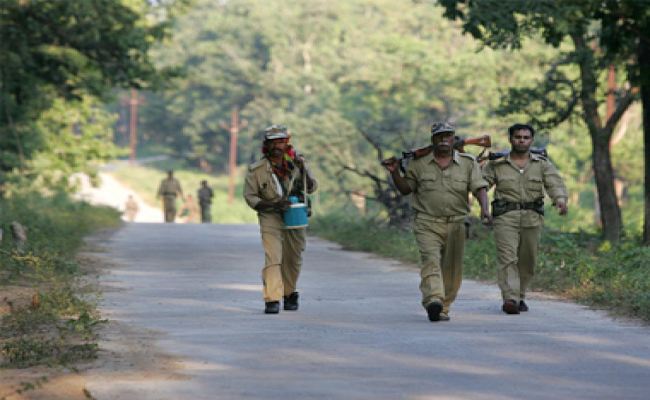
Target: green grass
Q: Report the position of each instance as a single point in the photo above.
(57, 325)
(576, 265)
(144, 180)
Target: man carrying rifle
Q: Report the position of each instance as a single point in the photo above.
(520, 178)
(440, 182)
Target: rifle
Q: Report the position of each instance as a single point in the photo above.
(459, 144)
(500, 154)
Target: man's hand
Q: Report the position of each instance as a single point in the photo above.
(391, 164)
(486, 217)
(267, 205)
(562, 207)
(299, 161)
(282, 205)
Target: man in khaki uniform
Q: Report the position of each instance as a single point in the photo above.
(169, 188)
(269, 182)
(440, 182)
(205, 195)
(131, 208)
(518, 210)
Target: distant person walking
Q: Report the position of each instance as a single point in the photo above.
(520, 178)
(441, 182)
(131, 208)
(169, 189)
(189, 210)
(269, 182)
(205, 195)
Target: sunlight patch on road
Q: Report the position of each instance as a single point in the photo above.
(236, 286)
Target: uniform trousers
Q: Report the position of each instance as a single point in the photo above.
(517, 249)
(282, 257)
(441, 242)
(169, 208)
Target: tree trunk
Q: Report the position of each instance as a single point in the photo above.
(644, 67)
(610, 212)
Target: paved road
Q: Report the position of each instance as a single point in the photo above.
(360, 332)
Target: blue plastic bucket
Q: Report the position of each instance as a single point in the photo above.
(295, 217)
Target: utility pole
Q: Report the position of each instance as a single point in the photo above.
(232, 161)
(133, 124)
(235, 125)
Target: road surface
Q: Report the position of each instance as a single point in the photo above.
(192, 292)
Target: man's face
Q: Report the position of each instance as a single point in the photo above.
(521, 140)
(443, 142)
(277, 147)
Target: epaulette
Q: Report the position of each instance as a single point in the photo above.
(257, 164)
(539, 157)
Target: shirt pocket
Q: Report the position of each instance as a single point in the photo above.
(508, 185)
(267, 189)
(535, 187)
(428, 182)
(460, 184)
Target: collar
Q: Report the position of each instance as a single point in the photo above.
(455, 157)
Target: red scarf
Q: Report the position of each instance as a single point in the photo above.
(284, 169)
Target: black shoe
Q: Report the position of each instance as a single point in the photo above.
(291, 302)
(523, 307)
(272, 307)
(433, 311)
(510, 307)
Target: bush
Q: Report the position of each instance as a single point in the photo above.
(56, 326)
(577, 265)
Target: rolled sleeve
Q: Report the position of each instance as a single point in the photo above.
(251, 194)
(554, 184)
(489, 174)
(476, 178)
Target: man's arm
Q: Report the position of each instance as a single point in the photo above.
(392, 165)
(555, 188)
(479, 186)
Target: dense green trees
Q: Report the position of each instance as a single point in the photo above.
(601, 34)
(55, 56)
(355, 81)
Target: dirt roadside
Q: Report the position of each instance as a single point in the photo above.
(125, 353)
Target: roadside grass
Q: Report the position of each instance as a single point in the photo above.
(144, 180)
(576, 265)
(46, 315)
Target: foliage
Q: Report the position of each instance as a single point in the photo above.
(57, 326)
(577, 265)
(55, 51)
(599, 35)
(354, 82)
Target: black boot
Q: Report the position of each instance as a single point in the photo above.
(272, 307)
(291, 302)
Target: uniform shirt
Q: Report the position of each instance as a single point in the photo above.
(443, 192)
(169, 187)
(262, 184)
(523, 185)
(205, 195)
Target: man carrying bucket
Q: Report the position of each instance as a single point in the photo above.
(272, 184)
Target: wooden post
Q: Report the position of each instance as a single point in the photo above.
(133, 125)
(232, 161)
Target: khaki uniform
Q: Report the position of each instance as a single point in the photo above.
(205, 195)
(169, 188)
(131, 209)
(282, 247)
(441, 202)
(517, 232)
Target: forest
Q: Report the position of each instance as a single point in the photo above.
(355, 82)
